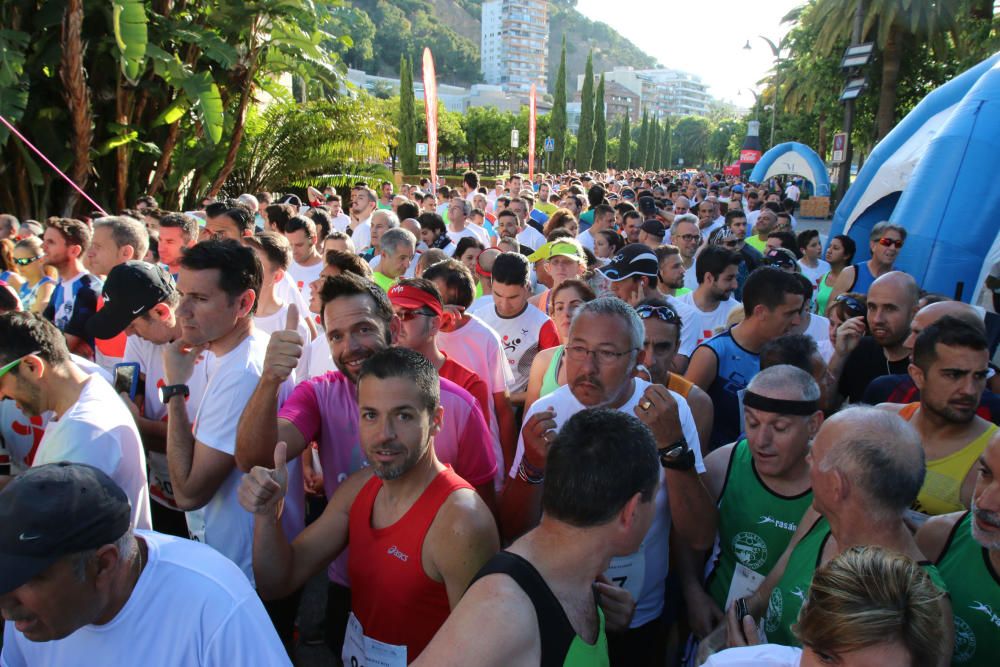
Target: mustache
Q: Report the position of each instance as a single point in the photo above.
(591, 379)
(991, 518)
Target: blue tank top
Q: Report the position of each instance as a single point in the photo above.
(863, 278)
(736, 367)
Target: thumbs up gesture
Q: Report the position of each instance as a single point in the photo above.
(262, 490)
(284, 349)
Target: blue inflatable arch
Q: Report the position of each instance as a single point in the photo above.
(797, 159)
(935, 174)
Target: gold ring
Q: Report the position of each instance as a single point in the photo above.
(645, 405)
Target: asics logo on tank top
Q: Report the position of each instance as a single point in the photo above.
(394, 551)
(986, 609)
(777, 524)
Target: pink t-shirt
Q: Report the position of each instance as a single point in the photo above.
(325, 410)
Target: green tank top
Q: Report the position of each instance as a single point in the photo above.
(974, 587)
(755, 525)
(821, 298)
(790, 594)
(550, 381)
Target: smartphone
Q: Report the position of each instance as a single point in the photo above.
(127, 378)
(741, 608)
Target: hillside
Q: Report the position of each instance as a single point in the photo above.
(451, 28)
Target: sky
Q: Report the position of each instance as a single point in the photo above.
(709, 40)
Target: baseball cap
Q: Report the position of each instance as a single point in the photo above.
(132, 289)
(635, 259)
(559, 248)
(647, 205)
(737, 188)
(780, 257)
(55, 510)
(654, 227)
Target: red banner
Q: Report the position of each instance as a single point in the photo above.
(750, 156)
(431, 114)
(531, 135)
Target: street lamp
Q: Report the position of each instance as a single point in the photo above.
(756, 99)
(776, 51)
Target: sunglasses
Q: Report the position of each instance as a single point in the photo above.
(410, 315)
(854, 307)
(888, 243)
(7, 368)
(664, 313)
(25, 261)
(780, 260)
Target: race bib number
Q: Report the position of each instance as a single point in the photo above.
(745, 582)
(629, 572)
(196, 524)
(362, 651)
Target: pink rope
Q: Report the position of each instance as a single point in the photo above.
(49, 162)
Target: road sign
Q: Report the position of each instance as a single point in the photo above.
(515, 138)
(839, 147)
(422, 150)
(550, 144)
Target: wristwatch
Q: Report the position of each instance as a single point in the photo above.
(168, 392)
(677, 456)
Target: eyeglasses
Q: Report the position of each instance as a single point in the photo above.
(409, 315)
(25, 261)
(687, 237)
(7, 368)
(664, 313)
(603, 357)
(886, 242)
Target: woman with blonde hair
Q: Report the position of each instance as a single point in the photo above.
(867, 606)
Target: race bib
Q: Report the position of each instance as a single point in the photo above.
(629, 572)
(362, 651)
(745, 582)
(196, 524)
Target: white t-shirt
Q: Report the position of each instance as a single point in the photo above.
(793, 192)
(276, 322)
(477, 347)
(98, 429)
(586, 239)
(20, 434)
(818, 329)
(520, 336)
(288, 291)
(232, 379)
(485, 301)
(716, 224)
(691, 276)
(149, 356)
(206, 615)
(341, 222)
(711, 322)
(303, 276)
(763, 655)
(644, 572)
(530, 237)
(470, 230)
(315, 359)
(822, 268)
(362, 234)
(689, 325)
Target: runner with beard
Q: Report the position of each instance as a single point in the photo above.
(359, 323)
(418, 532)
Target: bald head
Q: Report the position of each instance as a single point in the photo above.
(411, 226)
(487, 257)
(898, 285)
(879, 453)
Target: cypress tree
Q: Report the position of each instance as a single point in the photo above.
(624, 145)
(667, 157)
(557, 120)
(654, 146)
(600, 161)
(407, 119)
(640, 154)
(585, 135)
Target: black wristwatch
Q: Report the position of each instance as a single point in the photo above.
(677, 456)
(168, 392)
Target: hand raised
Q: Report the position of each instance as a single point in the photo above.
(284, 348)
(657, 409)
(262, 490)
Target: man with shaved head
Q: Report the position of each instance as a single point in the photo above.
(762, 488)
(867, 467)
(873, 346)
(901, 388)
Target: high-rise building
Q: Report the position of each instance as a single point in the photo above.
(662, 92)
(515, 44)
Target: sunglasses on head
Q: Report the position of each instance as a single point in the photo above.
(664, 313)
(25, 261)
(8, 367)
(854, 307)
(888, 243)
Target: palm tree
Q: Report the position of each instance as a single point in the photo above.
(889, 23)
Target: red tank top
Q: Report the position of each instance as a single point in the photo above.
(391, 596)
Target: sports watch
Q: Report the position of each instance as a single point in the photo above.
(168, 392)
(677, 456)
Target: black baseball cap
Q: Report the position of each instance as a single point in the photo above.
(647, 205)
(635, 259)
(53, 511)
(132, 289)
(654, 227)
